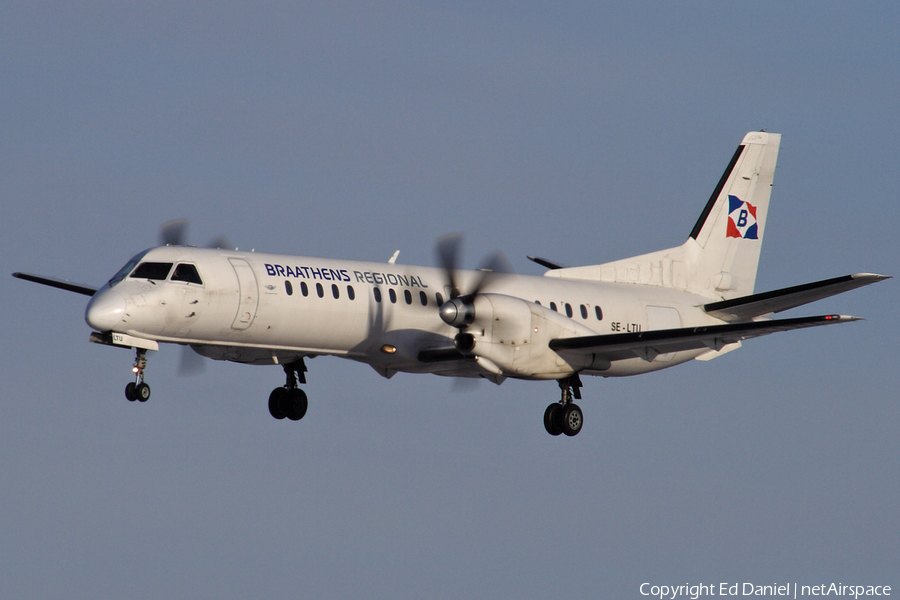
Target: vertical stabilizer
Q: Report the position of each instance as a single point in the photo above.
(720, 257)
(729, 233)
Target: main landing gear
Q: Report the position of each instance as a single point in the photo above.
(290, 401)
(565, 416)
(137, 389)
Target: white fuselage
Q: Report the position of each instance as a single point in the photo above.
(268, 309)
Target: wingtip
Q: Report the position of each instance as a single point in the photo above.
(873, 277)
(844, 318)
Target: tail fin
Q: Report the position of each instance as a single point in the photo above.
(720, 258)
(729, 234)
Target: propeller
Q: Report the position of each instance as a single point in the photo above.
(174, 233)
(465, 385)
(220, 242)
(190, 363)
(459, 310)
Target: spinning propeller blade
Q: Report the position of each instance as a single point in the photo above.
(447, 254)
(459, 310)
(173, 233)
(190, 363)
(219, 242)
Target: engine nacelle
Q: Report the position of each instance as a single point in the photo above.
(514, 335)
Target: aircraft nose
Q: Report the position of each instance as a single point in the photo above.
(105, 310)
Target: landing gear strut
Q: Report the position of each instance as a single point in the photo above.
(565, 416)
(137, 389)
(290, 401)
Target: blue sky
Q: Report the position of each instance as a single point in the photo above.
(580, 132)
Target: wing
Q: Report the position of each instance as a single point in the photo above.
(650, 344)
(57, 283)
(755, 305)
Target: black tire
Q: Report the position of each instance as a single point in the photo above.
(296, 404)
(142, 392)
(551, 419)
(276, 403)
(129, 392)
(571, 419)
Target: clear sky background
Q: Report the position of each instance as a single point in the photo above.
(581, 132)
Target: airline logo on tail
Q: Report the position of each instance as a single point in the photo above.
(741, 219)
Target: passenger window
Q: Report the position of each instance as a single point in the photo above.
(568, 310)
(288, 288)
(304, 289)
(393, 296)
(538, 302)
(553, 306)
(439, 299)
(377, 293)
(335, 291)
(187, 273)
(599, 313)
(152, 270)
(407, 295)
(423, 298)
(583, 311)
(350, 293)
(320, 291)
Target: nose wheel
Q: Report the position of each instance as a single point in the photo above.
(565, 416)
(137, 389)
(290, 401)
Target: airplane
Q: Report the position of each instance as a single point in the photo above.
(695, 301)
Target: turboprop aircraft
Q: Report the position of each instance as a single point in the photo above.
(628, 317)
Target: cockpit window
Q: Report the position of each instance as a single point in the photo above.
(124, 271)
(152, 270)
(188, 273)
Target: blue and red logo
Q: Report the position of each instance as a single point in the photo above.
(741, 219)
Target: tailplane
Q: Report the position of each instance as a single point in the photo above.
(720, 257)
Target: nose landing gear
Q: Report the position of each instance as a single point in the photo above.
(137, 389)
(565, 416)
(290, 401)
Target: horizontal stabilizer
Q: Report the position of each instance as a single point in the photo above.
(767, 303)
(549, 264)
(57, 283)
(650, 344)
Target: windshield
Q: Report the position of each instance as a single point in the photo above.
(152, 270)
(188, 273)
(124, 271)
